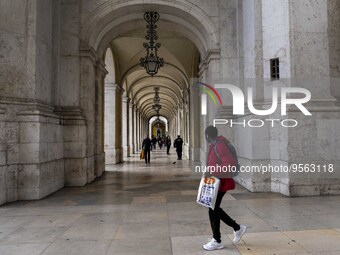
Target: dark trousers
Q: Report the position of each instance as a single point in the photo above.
(147, 156)
(179, 154)
(217, 215)
(168, 149)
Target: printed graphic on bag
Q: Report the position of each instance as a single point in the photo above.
(208, 191)
(209, 180)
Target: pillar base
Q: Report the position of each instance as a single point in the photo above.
(113, 156)
(126, 151)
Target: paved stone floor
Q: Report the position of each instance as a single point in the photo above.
(139, 209)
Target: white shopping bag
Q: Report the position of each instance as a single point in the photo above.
(207, 191)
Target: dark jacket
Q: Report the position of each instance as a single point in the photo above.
(178, 144)
(146, 144)
(168, 141)
(226, 159)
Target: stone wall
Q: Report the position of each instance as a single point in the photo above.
(334, 46)
(32, 164)
(299, 38)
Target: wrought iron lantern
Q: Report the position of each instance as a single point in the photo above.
(156, 107)
(151, 62)
(156, 99)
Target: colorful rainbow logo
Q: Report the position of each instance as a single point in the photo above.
(208, 89)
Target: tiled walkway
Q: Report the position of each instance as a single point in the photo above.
(139, 209)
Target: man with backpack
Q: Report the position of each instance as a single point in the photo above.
(219, 153)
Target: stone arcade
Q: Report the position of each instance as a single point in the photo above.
(73, 96)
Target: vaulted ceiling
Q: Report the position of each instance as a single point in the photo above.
(181, 60)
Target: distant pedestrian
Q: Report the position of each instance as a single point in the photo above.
(160, 142)
(178, 144)
(168, 144)
(146, 146)
(154, 141)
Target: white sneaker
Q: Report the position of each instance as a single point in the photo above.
(239, 233)
(213, 245)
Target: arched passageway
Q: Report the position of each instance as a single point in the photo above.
(117, 42)
(75, 98)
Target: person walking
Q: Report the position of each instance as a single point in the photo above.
(154, 141)
(146, 146)
(219, 154)
(168, 144)
(160, 142)
(178, 144)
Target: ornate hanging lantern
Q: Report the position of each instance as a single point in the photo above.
(151, 62)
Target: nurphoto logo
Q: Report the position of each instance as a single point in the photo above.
(238, 104)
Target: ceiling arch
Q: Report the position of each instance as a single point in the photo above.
(141, 79)
(162, 118)
(168, 109)
(136, 67)
(165, 112)
(107, 16)
(148, 87)
(164, 100)
(147, 91)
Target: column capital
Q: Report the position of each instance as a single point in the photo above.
(212, 54)
(114, 86)
(111, 85)
(132, 104)
(89, 53)
(100, 68)
(126, 99)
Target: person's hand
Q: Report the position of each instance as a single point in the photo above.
(207, 174)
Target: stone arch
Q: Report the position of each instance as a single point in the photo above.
(114, 12)
(157, 76)
(138, 67)
(178, 97)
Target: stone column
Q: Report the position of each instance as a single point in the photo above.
(142, 126)
(334, 47)
(310, 68)
(195, 119)
(31, 136)
(138, 130)
(175, 125)
(119, 124)
(253, 144)
(178, 128)
(132, 128)
(112, 124)
(80, 151)
(126, 127)
(135, 129)
(99, 154)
